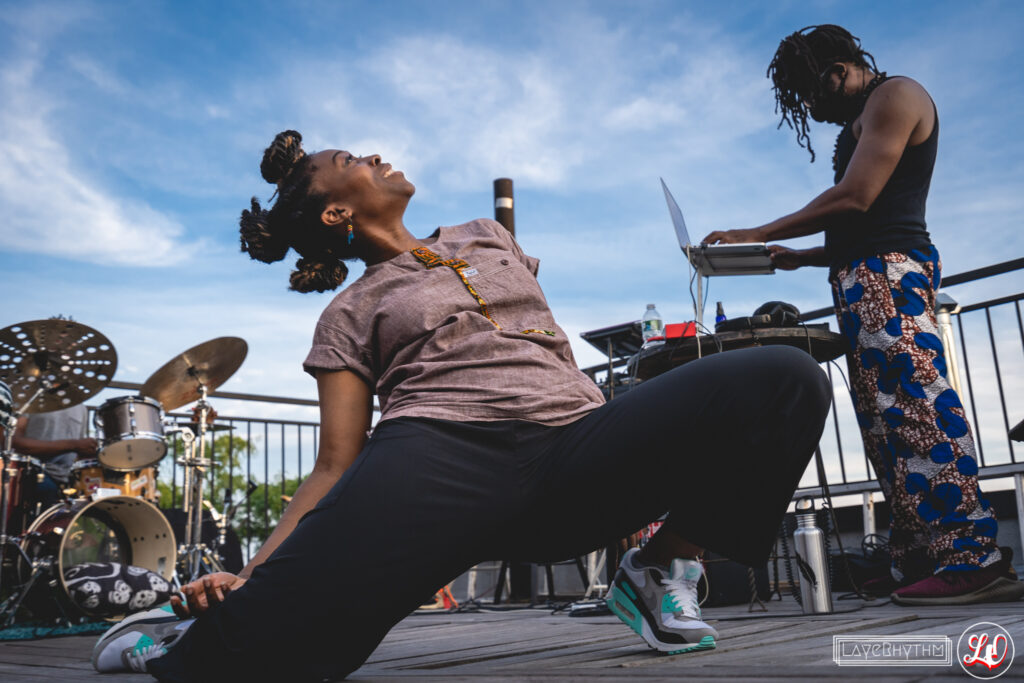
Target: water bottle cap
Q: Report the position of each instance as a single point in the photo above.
(805, 504)
(650, 306)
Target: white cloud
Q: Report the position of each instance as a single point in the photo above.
(644, 113)
(556, 115)
(52, 206)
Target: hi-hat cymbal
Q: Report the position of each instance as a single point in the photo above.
(209, 364)
(76, 360)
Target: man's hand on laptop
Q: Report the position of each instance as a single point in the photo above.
(750, 235)
(785, 258)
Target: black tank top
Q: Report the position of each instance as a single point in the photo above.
(895, 221)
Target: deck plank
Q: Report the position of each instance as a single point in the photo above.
(535, 644)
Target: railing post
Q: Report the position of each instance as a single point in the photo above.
(504, 212)
(868, 510)
(1018, 486)
(946, 306)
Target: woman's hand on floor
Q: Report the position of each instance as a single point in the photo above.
(204, 592)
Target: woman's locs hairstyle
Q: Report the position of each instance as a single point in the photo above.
(293, 222)
(797, 70)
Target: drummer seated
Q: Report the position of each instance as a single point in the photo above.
(56, 438)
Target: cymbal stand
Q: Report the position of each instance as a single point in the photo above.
(194, 553)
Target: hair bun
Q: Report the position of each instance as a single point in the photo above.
(282, 155)
(317, 276)
(257, 239)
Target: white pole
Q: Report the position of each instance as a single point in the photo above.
(868, 510)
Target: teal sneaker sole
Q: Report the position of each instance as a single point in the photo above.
(706, 643)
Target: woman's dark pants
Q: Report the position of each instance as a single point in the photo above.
(720, 443)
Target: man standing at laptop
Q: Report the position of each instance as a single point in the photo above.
(884, 271)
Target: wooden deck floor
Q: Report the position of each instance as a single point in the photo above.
(533, 644)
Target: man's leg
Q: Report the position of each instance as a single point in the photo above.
(919, 440)
(721, 443)
(927, 457)
(420, 505)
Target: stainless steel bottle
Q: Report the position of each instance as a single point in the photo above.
(809, 544)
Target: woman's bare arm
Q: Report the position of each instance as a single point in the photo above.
(345, 410)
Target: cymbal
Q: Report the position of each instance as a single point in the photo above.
(210, 364)
(75, 359)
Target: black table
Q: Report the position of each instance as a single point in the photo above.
(822, 344)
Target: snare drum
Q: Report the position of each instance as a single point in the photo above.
(88, 476)
(133, 433)
(24, 473)
(120, 529)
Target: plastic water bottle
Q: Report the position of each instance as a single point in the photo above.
(652, 325)
(809, 543)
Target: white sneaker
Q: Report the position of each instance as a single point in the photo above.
(137, 639)
(661, 606)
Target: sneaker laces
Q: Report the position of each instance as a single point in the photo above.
(683, 594)
(136, 659)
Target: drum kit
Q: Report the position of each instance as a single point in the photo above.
(108, 513)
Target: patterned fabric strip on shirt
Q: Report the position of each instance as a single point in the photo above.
(432, 260)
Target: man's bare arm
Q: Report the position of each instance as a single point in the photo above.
(899, 109)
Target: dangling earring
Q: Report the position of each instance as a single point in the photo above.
(349, 232)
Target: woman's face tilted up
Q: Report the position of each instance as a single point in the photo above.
(361, 189)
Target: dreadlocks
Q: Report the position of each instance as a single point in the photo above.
(796, 71)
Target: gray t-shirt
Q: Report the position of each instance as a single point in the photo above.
(459, 330)
(69, 423)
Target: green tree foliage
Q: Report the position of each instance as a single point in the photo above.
(266, 507)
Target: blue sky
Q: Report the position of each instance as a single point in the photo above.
(131, 133)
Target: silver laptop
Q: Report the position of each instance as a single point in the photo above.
(718, 259)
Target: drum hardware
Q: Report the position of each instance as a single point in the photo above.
(7, 474)
(194, 426)
(222, 520)
(194, 555)
(45, 365)
(188, 377)
(39, 567)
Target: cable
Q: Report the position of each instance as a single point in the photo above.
(789, 564)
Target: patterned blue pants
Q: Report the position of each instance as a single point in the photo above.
(914, 427)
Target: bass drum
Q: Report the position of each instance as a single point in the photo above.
(120, 529)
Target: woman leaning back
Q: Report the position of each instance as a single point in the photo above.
(491, 444)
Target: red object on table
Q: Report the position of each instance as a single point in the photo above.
(675, 330)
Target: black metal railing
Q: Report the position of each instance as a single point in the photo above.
(990, 349)
(278, 454)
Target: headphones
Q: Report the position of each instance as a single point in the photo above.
(782, 314)
(767, 315)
